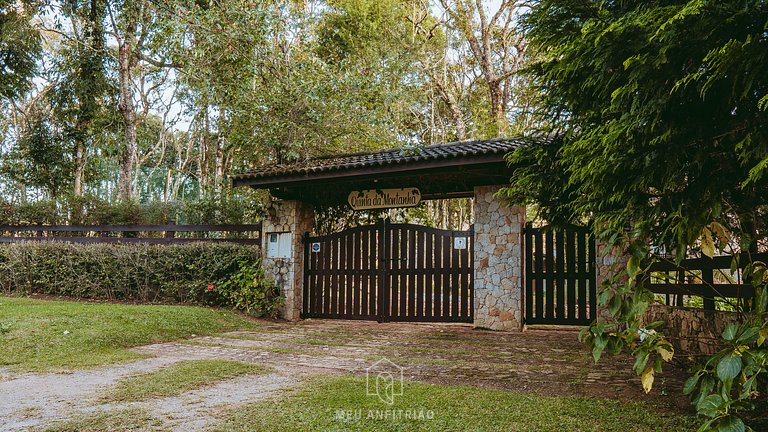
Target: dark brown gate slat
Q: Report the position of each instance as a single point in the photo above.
(529, 257)
(559, 276)
(538, 258)
(582, 280)
(570, 281)
(421, 244)
(438, 278)
(550, 281)
(429, 276)
(411, 279)
(397, 272)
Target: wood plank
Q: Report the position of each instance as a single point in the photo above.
(549, 245)
(455, 280)
(464, 280)
(341, 263)
(538, 256)
(438, 278)
(429, 278)
(721, 290)
(305, 308)
(447, 264)
(559, 279)
(421, 244)
(570, 276)
(348, 280)
(582, 263)
(411, 279)
(528, 260)
(358, 267)
(326, 248)
(592, 268)
(334, 277)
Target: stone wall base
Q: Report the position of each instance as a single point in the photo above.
(691, 331)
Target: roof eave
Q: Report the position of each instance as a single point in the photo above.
(271, 181)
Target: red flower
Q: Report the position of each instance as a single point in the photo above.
(210, 287)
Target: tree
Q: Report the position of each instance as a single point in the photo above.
(498, 48)
(657, 114)
(19, 47)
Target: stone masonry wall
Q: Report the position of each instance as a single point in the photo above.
(691, 331)
(498, 262)
(297, 218)
(608, 260)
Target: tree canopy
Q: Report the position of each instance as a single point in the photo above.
(658, 114)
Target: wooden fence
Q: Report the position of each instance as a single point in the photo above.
(247, 234)
(712, 279)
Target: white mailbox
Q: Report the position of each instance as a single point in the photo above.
(279, 245)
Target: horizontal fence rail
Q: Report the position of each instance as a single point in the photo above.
(710, 279)
(247, 234)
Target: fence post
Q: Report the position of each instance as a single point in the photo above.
(707, 277)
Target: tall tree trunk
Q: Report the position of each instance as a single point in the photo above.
(126, 61)
(79, 167)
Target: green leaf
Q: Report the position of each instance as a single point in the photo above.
(707, 245)
(710, 405)
(633, 266)
(729, 333)
(763, 336)
(690, 384)
(729, 367)
(730, 423)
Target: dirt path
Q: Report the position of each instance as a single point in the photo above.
(543, 362)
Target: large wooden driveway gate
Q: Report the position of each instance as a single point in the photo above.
(560, 276)
(389, 272)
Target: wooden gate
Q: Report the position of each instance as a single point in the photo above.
(559, 276)
(390, 272)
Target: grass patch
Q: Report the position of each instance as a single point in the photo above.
(179, 378)
(47, 335)
(454, 408)
(130, 419)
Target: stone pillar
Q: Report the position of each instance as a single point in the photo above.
(607, 261)
(296, 218)
(498, 262)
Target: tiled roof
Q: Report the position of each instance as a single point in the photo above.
(455, 150)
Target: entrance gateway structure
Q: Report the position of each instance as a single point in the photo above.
(403, 272)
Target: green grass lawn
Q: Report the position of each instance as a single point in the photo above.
(179, 378)
(45, 335)
(129, 419)
(317, 406)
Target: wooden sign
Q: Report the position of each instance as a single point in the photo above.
(384, 198)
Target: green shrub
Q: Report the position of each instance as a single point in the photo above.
(249, 290)
(194, 273)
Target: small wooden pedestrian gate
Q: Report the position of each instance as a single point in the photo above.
(559, 276)
(390, 272)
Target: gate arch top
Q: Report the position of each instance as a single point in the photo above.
(449, 170)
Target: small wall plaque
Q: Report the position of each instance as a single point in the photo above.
(459, 242)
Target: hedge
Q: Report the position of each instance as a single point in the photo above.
(195, 273)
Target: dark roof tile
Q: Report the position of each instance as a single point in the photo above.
(498, 146)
